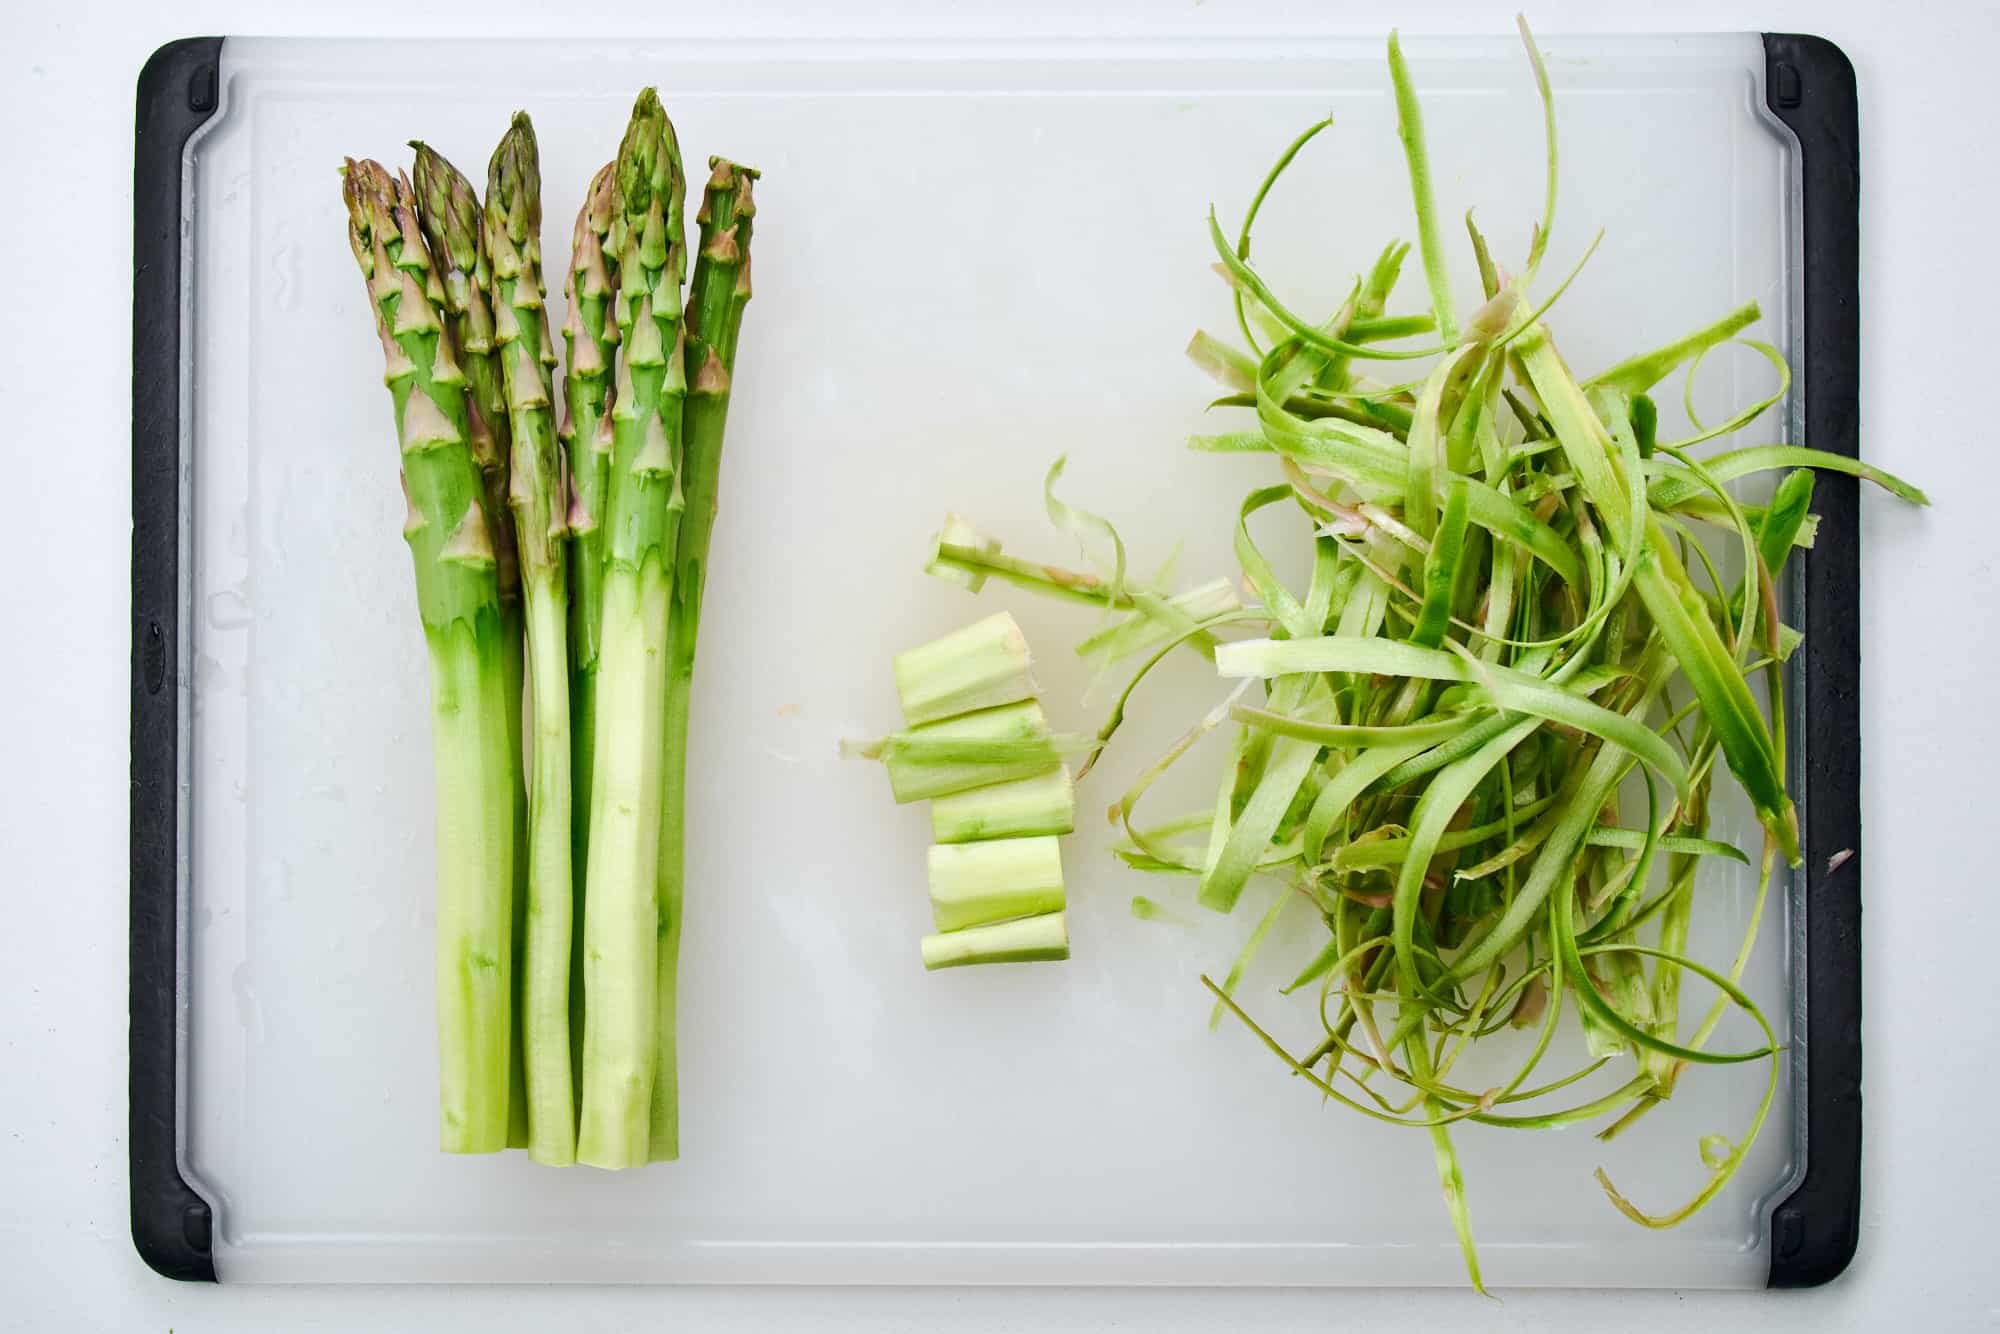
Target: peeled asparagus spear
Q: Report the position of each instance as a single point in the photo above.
(592, 336)
(622, 920)
(458, 599)
(591, 332)
(716, 298)
(448, 211)
(538, 494)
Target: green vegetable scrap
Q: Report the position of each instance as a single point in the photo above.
(1490, 730)
(980, 750)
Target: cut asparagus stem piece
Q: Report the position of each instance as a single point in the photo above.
(1021, 808)
(622, 921)
(716, 298)
(978, 667)
(1024, 940)
(540, 504)
(458, 600)
(976, 883)
(973, 750)
(957, 532)
(448, 214)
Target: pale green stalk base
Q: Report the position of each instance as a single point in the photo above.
(1025, 940)
(664, 1128)
(1022, 808)
(621, 902)
(582, 749)
(978, 667)
(975, 883)
(545, 989)
(475, 876)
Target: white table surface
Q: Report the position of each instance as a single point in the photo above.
(1930, 110)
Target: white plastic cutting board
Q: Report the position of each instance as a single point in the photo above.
(968, 262)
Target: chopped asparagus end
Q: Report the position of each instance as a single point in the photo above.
(1000, 744)
(978, 667)
(958, 533)
(975, 883)
(1019, 808)
(1025, 940)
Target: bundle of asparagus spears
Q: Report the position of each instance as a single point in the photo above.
(563, 562)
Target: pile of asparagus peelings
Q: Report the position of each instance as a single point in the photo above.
(558, 562)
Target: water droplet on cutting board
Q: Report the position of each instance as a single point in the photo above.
(228, 610)
(208, 674)
(285, 270)
(276, 877)
(248, 1013)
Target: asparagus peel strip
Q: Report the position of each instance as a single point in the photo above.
(458, 600)
(538, 494)
(622, 918)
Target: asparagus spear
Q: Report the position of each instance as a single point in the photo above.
(717, 296)
(537, 492)
(591, 331)
(621, 901)
(448, 212)
(458, 599)
(592, 335)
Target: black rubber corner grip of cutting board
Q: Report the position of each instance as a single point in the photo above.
(178, 91)
(1809, 85)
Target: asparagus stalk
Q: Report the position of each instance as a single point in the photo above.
(448, 212)
(592, 336)
(537, 491)
(458, 599)
(716, 298)
(622, 920)
(591, 332)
